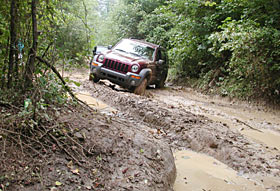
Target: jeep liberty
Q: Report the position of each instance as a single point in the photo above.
(132, 64)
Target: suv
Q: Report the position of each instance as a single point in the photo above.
(131, 63)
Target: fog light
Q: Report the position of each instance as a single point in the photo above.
(132, 83)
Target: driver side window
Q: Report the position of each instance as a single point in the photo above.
(161, 55)
(158, 55)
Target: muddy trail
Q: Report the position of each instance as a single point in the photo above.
(218, 144)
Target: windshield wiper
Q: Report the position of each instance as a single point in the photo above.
(121, 50)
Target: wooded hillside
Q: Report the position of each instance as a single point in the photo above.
(230, 47)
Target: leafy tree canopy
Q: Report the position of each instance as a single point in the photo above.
(232, 45)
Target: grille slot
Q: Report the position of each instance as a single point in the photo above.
(114, 65)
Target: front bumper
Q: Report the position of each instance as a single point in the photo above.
(126, 80)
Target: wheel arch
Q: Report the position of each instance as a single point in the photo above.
(146, 73)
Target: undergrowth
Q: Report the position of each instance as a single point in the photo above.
(30, 131)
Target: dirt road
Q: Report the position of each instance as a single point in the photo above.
(218, 144)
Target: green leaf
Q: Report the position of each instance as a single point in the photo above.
(76, 83)
(27, 102)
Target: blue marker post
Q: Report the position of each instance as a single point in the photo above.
(20, 47)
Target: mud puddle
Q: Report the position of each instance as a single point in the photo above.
(198, 172)
(253, 122)
(244, 138)
(94, 102)
(268, 137)
(201, 172)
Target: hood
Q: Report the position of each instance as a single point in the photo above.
(124, 57)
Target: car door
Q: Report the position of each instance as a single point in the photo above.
(153, 66)
(161, 64)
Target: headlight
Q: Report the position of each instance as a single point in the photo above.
(100, 58)
(134, 68)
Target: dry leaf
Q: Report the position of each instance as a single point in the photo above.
(57, 183)
(75, 171)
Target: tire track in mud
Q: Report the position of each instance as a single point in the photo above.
(182, 129)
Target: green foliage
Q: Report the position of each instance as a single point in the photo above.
(74, 28)
(146, 5)
(188, 40)
(65, 32)
(231, 44)
(65, 36)
(123, 19)
(254, 63)
(155, 27)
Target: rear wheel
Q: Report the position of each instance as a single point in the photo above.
(93, 78)
(141, 89)
(160, 84)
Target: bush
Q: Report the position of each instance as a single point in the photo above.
(254, 65)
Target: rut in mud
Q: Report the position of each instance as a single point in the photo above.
(183, 123)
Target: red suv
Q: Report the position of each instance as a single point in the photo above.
(131, 63)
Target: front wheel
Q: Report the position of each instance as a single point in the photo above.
(93, 78)
(141, 89)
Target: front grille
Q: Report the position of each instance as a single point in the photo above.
(114, 65)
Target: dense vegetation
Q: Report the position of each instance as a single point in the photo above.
(36, 35)
(232, 46)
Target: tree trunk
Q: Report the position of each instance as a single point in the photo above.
(12, 43)
(16, 65)
(30, 67)
(86, 26)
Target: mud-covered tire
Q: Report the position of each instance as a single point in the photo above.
(93, 78)
(160, 84)
(141, 89)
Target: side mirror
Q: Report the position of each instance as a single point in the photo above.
(94, 50)
(110, 47)
(160, 62)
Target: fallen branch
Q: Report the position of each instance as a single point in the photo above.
(58, 75)
(65, 150)
(238, 121)
(27, 137)
(8, 105)
(3, 104)
(67, 88)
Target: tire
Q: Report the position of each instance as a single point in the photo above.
(141, 89)
(93, 78)
(161, 83)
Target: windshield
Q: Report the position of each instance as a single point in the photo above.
(135, 49)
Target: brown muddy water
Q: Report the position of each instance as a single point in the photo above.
(196, 171)
(95, 103)
(201, 172)
(254, 122)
